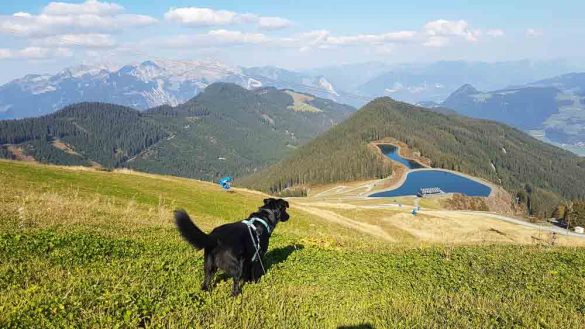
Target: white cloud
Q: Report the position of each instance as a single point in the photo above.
(5, 53)
(495, 33)
(373, 39)
(307, 40)
(384, 49)
(92, 40)
(195, 16)
(533, 33)
(235, 37)
(200, 16)
(445, 29)
(216, 38)
(436, 41)
(323, 39)
(273, 23)
(90, 7)
(437, 33)
(61, 18)
(61, 26)
(21, 14)
(34, 53)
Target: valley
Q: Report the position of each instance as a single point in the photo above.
(385, 209)
(521, 166)
(391, 218)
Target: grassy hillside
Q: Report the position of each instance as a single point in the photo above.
(498, 153)
(226, 130)
(98, 249)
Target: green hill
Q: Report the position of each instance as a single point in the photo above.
(85, 248)
(79, 134)
(493, 151)
(226, 130)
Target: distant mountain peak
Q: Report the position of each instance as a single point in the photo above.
(81, 70)
(149, 63)
(466, 89)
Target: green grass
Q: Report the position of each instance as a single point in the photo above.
(303, 107)
(83, 248)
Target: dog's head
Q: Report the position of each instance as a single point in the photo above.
(279, 207)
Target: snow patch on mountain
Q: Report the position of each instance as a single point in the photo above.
(327, 86)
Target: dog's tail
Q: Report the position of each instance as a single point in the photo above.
(190, 232)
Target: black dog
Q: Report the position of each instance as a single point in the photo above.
(236, 248)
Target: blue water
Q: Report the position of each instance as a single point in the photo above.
(391, 151)
(448, 182)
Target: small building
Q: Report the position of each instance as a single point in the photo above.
(429, 191)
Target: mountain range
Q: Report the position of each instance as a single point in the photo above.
(143, 86)
(552, 109)
(171, 82)
(230, 130)
(417, 82)
(225, 130)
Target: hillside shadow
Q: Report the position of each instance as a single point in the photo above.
(357, 326)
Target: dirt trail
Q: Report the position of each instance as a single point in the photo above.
(345, 221)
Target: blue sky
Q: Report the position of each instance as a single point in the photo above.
(42, 36)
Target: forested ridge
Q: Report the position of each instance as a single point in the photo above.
(226, 130)
(105, 133)
(533, 170)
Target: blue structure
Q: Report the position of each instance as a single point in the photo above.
(225, 182)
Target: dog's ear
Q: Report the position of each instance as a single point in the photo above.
(268, 201)
(283, 203)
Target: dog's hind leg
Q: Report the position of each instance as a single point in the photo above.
(209, 269)
(237, 272)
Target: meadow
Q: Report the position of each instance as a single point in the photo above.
(87, 248)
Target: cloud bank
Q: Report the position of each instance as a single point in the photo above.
(195, 17)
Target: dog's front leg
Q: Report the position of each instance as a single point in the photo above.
(237, 287)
